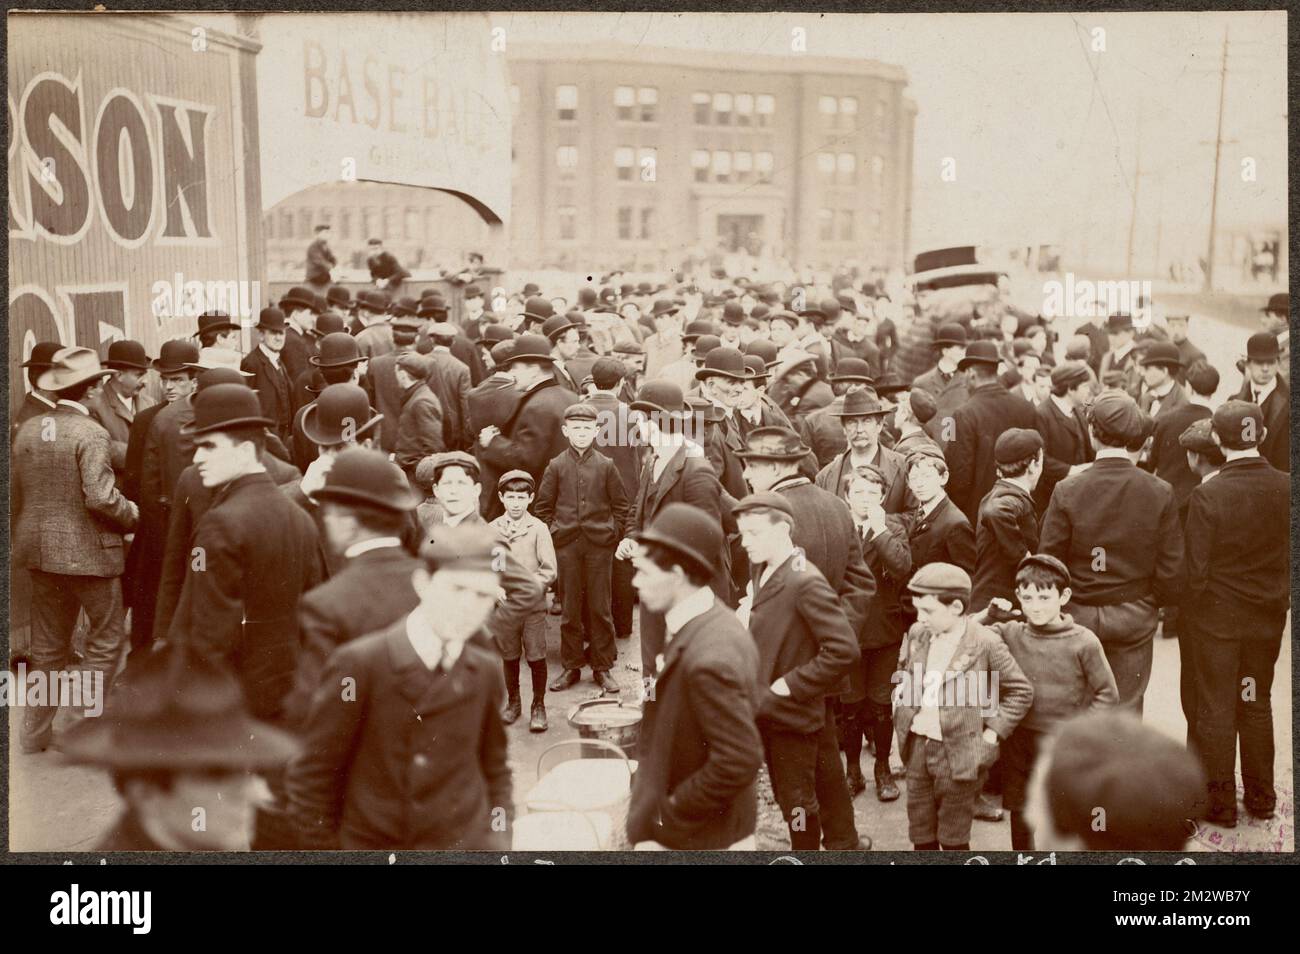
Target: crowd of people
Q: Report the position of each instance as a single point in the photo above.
(837, 519)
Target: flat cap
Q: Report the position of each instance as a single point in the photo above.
(415, 364)
(580, 412)
(936, 578)
(923, 405)
(1069, 374)
(1016, 444)
(1239, 424)
(510, 475)
(439, 462)
(466, 546)
(1118, 414)
(1045, 560)
(764, 500)
(1198, 440)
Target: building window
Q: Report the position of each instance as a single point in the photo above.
(304, 223)
(568, 219)
(647, 97)
(827, 105)
(624, 222)
(647, 160)
(566, 102)
(826, 164)
(848, 112)
(700, 163)
(765, 106)
(624, 160)
(846, 168)
(647, 223)
(268, 225)
(877, 176)
(826, 225)
(702, 104)
(345, 224)
(743, 162)
(722, 167)
(392, 222)
(722, 109)
(373, 225)
(846, 225)
(624, 101)
(763, 165)
(286, 223)
(744, 109)
(566, 157)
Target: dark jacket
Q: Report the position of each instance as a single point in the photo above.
(833, 478)
(386, 398)
(1168, 459)
(1131, 516)
(1006, 530)
(419, 429)
(889, 558)
(583, 495)
(699, 747)
(1276, 448)
(948, 396)
(296, 354)
(532, 438)
(804, 638)
(319, 261)
(1238, 550)
(416, 759)
(274, 387)
(113, 416)
(254, 554)
(811, 396)
(167, 451)
(622, 447)
(823, 432)
(450, 381)
(1065, 443)
(977, 424)
(943, 537)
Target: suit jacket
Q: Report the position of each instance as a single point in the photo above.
(1006, 530)
(823, 432)
(531, 438)
(1176, 398)
(687, 478)
(943, 537)
(1065, 443)
(1276, 448)
(834, 478)
(962, 726)
(1128, 365)
(71, 514)
(1238, 551)
(700, 747)
(297, 353)
(254, 554)
(721, 441)
(797, 405)
(418, 760)
(583, 496)
(889, 558)
(1132, 517)
(371, 592)
(113, 415)
(419, 428)
(1168, 459)
(274, 389)
(450, 381)
(167, 451)
(491, 401)
(977, 424)
(31, 407)
(386, 397)
(133, 462)
(804, 638)
(948, 396)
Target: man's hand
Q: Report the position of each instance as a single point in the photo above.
(314, 479)
(876, 518)
(485, 436)
(626, 547)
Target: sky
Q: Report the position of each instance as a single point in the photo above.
(1046, 130)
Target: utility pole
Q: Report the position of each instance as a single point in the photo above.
(1133, 212)
(1218, 148)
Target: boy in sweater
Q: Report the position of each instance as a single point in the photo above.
(530, 544)
(1064, 662)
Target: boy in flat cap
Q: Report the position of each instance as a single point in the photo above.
(1115, 527)
(583, 501)
(531, 545)
(404, 745)
(959, 695)
(1006, 529)
(1063, 661)
(1064, 425)
(1238, 596)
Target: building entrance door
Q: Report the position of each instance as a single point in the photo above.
(741, 233)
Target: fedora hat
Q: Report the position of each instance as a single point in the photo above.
(176, 355)
(341, 412)
(534, 348)
(723, 362)
(1279, 304)
(42, 354)
(557, 325)
(1261, 346)
(1162, 352)
(224, 407)
(300, 297)
(688, 532)
(216, 321)
(270, 319)
(127, 355)
(980, 352)
(660, 397)
(661, 306)
(179, 711)
(950, 335)
(336, 350)
(70, 367)
(773, 443)
(864, 403)
(852, 369)
(362, 476)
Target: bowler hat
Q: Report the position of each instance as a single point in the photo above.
(496, 332)
(661, 397)
(889, 383)
(362, 476)
(587, 297)
(864, 403)
(179, 711)
(317, 384)
(538, 309)
(764, 500)
(431, 307)
(1120, 321)
(216, 321)
(211, 377)
(662, 307)
(1239, 424)
(70, 367)
(852, 369)
(336, 351)
(760, 312)
(830, 308)
(557, 325)
(531, 288)
(846, 303)
(687, 532)
(765, 350)
(723, 362)
(224, 407)
(338, 297)
(755, 367)
(941, 578)
(270, 319)
(341, 413)
(127, 355)
(644, 288)
(733, 313)
(773, 443)
(532, 348)
(176, 355)
(472, 291)
(328, 324)
(980, 352)
(1162, 353)
(372, 300)
(952, 334)
(703, 345)
(43, 354)
(403, 307)
(1016, 444)
(300, 297)
(1279, 304)
(1263, 346)
(407, 322)
(501, 351)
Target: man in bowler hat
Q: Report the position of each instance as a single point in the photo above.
(271, 378)
(121, 398)
(1266, 386)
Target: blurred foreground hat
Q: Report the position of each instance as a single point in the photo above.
(688, 532)
(367, 477)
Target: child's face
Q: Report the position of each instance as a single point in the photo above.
(516, 502)
(863, 496)
(1041, 605)
(935, 615)
(925, 481)
(581, 434)
(456, 490)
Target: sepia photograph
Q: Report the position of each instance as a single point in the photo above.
(737, 435)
